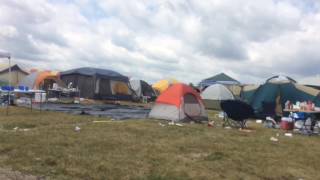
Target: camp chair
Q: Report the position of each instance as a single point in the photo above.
(236, 110)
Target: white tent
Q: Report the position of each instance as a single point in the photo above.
(136, 86)
(214, 94)
(142, 89)
(4, 54)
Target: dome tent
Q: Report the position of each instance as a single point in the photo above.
(41, 80)
(214, 94)
(278, 90)
(98, 83)
(141, 88)
(179, 103)
(221, 78)
(164, 84)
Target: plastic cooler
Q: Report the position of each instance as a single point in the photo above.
(287, 123)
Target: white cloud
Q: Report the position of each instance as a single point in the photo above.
(152, 39)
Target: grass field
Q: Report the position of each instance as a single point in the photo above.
(46, 145)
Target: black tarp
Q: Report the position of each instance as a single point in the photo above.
(117, 112)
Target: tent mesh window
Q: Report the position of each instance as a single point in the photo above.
(104, 87)
(192, 107)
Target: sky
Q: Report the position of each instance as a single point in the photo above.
(189, 40)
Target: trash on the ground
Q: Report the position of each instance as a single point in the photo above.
(298, 124)
(171, 123)
(163, 125)
(221, 114)
(277, 134)
(270, 123)
(259, 121)
(268, 118)
(210, 123)
(227, 127)
(245, 130)
(77, 128)
(192, 122)
(274, 139)
(101, 121)
(16, 128)
(178, 124)
(288, 134)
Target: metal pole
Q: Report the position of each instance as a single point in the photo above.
(40, 100)
(9, 93)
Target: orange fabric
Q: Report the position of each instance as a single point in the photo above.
(175, 94)
(45, 75)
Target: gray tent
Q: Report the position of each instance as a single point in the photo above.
(141, 88)
(214, 94)
(221, 78)
(95, 83)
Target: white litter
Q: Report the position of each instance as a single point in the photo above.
(274, 139)
(227, 127)
(259, 121)
(288, 134)
(77, 128)
(298, 124)
(101, 121)
(162, 125)
(221, 114)
(16, 128)
(171, 123)
(178, 124)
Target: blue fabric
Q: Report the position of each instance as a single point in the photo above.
(7, 88)
(301, 116)
(23, 88)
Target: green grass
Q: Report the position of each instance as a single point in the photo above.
(46, 145)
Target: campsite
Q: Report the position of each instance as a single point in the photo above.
(159, 90)
(91, 123)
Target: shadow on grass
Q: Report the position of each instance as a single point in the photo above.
(216, 156)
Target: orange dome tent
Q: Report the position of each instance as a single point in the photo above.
(41, 80)
(179, 102)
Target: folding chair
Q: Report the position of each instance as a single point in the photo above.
(237, 112)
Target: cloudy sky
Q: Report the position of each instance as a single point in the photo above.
(153, 39)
